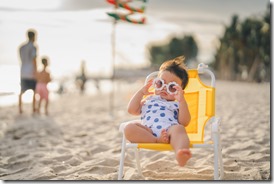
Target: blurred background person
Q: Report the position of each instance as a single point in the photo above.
(82, 78)
(43, 78)
(28, 54)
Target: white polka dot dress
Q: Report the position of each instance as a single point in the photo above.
(158, 113)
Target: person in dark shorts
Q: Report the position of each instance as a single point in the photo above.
(28, 53)
(27, 84)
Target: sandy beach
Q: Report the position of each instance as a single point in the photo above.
(80, 140)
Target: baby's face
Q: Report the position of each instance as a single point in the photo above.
(167, 77)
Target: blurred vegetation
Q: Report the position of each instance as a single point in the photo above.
(176, 46)
(244, 51)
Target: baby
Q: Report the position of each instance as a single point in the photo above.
(164, 113)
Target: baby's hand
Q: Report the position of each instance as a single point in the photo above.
(145, 88)
(179, 96)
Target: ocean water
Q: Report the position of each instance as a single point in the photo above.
(10, 86)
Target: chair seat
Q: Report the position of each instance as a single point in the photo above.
(166, 147)
(157, 146)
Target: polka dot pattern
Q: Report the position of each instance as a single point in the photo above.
(159, 114)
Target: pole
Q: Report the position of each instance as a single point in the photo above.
(113, 44)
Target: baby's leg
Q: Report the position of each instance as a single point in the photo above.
(180, 143)
(145, 127)
(137, 133)
(163, 137)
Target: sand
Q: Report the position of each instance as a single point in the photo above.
(80, 140)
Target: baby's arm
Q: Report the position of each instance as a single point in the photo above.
(135, 104)
(184, 114)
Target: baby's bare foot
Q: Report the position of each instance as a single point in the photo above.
(182, 156)
(163, 137)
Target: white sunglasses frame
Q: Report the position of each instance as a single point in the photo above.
(164, 85)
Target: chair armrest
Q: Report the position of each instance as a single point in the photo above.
(203, 68)
(124, 124)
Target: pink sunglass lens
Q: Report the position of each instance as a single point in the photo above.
(158, 84)
(171, 88)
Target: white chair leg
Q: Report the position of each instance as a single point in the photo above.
(221, 159)
(122, 158)
(137, 157)
(216, 157)
(217, 149)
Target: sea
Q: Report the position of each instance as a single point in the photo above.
(68, 84)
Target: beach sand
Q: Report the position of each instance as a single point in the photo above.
(80, 140)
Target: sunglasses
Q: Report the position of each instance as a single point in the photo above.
(159, 84)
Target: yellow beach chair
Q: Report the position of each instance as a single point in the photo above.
(201, 102)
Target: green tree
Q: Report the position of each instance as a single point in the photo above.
(245, 49)
(187, 46)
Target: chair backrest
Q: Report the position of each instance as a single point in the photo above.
(201, 103)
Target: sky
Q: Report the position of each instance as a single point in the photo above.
(70, 31)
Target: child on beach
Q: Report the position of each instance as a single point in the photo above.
(164, 114)
(43, 78)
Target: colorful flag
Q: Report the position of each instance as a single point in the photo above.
(126, 17)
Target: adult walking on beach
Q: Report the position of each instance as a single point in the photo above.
(28, 53)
